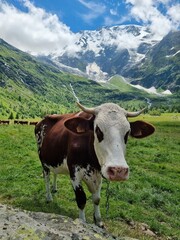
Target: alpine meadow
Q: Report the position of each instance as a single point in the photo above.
(147, 205)
(150, 197)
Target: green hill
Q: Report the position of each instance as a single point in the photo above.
(32, 89)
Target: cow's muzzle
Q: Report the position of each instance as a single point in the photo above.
(118, 173)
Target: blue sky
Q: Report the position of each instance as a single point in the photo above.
(90, 15)
(33, 25)
(82, 14)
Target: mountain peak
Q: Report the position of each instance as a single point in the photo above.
(120, 49)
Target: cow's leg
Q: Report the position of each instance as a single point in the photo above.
(46, 173)
(80, 194)
(54, 186)
(97, 214)
(94, 181)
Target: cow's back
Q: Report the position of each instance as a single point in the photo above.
(56, 143)
(49, 132)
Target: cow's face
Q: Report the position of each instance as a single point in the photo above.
(111, 131)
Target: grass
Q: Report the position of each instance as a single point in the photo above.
(150, 196)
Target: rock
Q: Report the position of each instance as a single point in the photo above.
(144, 226)
(16, 224)
(149, 233)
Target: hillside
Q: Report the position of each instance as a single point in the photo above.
(150, 197)
(30, 88)
(161, 66)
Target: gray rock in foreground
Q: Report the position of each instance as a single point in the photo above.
(19, 225)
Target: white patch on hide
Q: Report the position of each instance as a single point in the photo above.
(60, 169)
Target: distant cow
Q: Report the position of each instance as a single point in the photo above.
(4, 122)
(16, 121)
(21, 122)
(88, 145)
(33, 123)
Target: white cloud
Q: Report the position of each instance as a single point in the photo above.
(98, 8)
(35, 31)
(113, 12)
(160, 26)
(126, 40)
(174, 13)
(147, 12)
(39, 32)
(95, 10)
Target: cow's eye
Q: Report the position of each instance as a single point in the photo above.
(126, 137)
(99, 134)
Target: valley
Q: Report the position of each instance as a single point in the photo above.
(30, 88)
(149, 198)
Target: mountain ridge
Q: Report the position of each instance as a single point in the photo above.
(30, 88)
(123, 50)
(161, 65)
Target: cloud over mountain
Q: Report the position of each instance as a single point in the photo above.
(35, 30)
(162, 16)
(38, 31)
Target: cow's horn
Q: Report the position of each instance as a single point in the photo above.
(134, 114)
(87, 110)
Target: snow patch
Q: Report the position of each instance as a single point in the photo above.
(95, 72)
(167, 92)
(167, 56)
(149, 90)
(152, 90)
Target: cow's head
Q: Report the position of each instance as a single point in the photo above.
(111, 131)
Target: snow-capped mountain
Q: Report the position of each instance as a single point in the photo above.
(124, 50)
(111, 50)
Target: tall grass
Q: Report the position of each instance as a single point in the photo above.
(150, 196)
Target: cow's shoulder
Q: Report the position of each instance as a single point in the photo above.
(56, 121)
(85, 115)
(50, 120)
(58, 117)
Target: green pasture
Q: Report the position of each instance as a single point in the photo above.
(150, 196)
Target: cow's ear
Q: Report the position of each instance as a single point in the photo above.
(141, 129)
(78, 125)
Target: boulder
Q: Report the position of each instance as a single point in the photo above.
(16, 224)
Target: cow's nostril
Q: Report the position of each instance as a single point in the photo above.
(118, 173)
(126, 170)
(111, 171)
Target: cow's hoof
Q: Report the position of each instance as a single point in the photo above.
(100, 224)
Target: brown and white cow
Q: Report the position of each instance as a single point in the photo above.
(88, 145)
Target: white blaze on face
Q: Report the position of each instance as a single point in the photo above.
(111, 129)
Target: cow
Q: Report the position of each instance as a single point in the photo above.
(4, 122)
(88, 145)
(16, 121)
(33, 123)
(23, 122)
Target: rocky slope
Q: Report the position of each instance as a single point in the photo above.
(19, 225)
(161, 65)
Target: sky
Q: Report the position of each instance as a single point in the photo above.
(45, 26)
